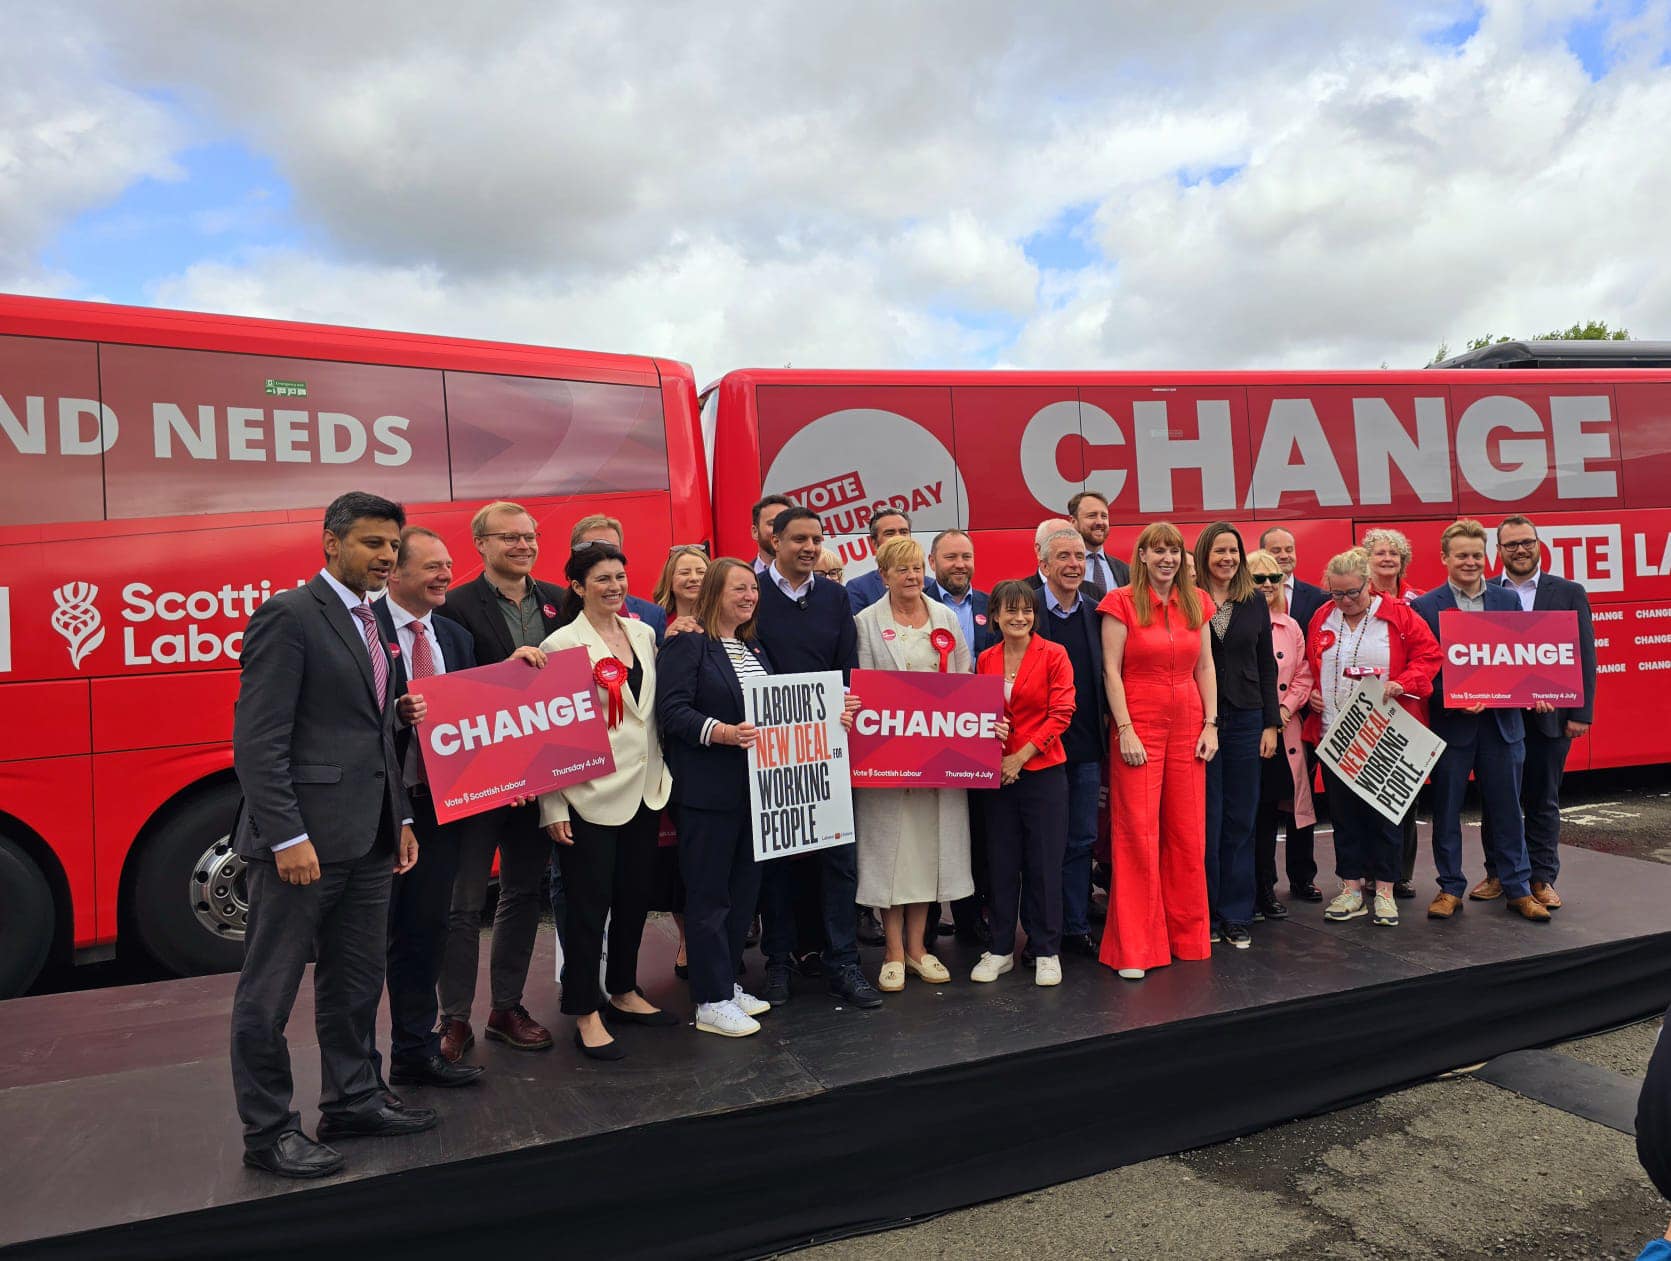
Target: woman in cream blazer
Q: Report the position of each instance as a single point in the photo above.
(606, 828)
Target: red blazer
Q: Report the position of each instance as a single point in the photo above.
(1413, 655)
(1041, 698)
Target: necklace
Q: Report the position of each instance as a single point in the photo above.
(1009, 674)
(1340, 651)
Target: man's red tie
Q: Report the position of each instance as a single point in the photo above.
(423, 656)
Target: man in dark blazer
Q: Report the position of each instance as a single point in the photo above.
(1549, 731)
(508, 612)
(1089, 513)
(325, 825)
(1065, 612)
(1303, 599)
(867, 589)
(951, 563)
(1489, 743)
(422, 644)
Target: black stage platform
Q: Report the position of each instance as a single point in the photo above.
(120, 1138)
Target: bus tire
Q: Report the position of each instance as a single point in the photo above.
(189, 897)
(27, 920)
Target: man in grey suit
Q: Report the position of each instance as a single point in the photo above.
(326, 825)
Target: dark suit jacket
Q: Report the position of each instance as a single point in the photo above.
(457, 653)
(651, 614)
(474, 606)
(313, 753)
(1307, 600)
(695, 682)
(1122, 571)
(986, 634)
(864, 591)
(1455, 726)
(1093, 594)
(1555, 594)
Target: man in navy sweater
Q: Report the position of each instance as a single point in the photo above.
(804, 624)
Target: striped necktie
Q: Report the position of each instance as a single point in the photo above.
(374, 648)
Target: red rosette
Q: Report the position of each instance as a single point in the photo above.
(944, 642)
(1325, 641)
(611, 674)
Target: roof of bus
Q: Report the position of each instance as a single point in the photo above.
(196, 330)
(1419, 377)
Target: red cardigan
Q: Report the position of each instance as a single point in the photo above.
(1041, 699)
(1413, 656)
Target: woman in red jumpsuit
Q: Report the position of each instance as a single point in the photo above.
(1158, 669)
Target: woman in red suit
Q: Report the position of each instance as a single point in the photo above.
(1158, 669)
(1027, 818)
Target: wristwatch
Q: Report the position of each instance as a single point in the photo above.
(1212, 722)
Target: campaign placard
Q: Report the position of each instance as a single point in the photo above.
(799, 793)
(1378, 750)
(504, 731)
(1511, 660)
(920, 730)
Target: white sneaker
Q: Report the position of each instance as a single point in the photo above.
(1131, 974)
(747, 1003)
(992, 966)
(726, 1019)
(1047, 971)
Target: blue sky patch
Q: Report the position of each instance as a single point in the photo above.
(1067, 243)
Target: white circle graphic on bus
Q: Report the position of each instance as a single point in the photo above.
(848, 465)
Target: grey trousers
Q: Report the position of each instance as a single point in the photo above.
(343, 916)
(524, 849)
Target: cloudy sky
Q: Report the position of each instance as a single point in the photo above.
(1115, 184)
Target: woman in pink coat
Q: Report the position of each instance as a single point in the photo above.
(1285, 788)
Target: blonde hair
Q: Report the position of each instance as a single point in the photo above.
(1261, 557)
(898, 552)
(1352, 563)
(1163, 534)
(478, 523)
(597, 521)
(663, 594)
(1466, 529)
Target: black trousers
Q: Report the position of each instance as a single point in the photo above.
(419, 904)
(1653, 1116)
(967, 912)
(1300, 858)
(1409, 842)
(1026, 837)
(342, 919)
(722, 885)
(1366, 846)
(607, 874)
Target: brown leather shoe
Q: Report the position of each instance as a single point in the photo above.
(1444, 906)
(1545, 893)
(1487, 890)
(456, 1039)
(515, 1027)
(1530, 908)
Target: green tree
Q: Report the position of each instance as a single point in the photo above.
(1588, 331)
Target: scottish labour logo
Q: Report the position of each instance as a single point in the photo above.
(77, 619)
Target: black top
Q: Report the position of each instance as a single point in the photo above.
(1082, 741)
(810, 634)
(1245, 661)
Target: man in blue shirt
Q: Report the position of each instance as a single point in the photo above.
(951, 559)
(867, 589)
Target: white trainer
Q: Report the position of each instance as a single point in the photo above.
(992, 966)
(747, 1003)
(1131, 974)
(726, 1019)
(1047, 971)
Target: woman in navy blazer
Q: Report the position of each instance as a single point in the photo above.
(706, 735)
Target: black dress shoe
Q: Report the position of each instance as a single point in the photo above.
(975, 933)
(811, 964)
(433, 1070)
(1404, 890)
(610, 1050)
(660, 1018)
(849, 985)
(1270, 908)
(387, 1120)
(294, 1155)
(1306, 893)
(943, 929)
(870, 929)
(682, 971)
(776, 989)
(1079, 944)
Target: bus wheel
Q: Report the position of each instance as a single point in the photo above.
(26, 920)
(190, 898)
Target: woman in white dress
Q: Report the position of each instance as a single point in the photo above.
(913, 842)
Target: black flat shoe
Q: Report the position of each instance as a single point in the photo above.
(1270, 908)
(660, 1019)
(1079, 944)
(1404, 890)
(1306, 893)
(682, 971)
(387, 1120)
(435, 1070)
(610, 1050)
(295, 1155)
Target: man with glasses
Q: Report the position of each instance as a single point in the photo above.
(1549, 731)
(508, 612)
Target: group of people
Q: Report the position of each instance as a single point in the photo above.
(1193, 682)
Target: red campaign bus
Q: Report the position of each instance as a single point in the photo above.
(164, 474)
(1586, 453)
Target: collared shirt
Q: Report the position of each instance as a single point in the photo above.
(965, 610)
(784, 585)
(1099, 571)
(759, 565)
(1056, 606)
(1468, 603)
(404, 635)
(1527, 591)
(522, 617)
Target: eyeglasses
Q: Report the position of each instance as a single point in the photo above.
(1519, 545)
(510, 538)
(1353, 594)
(834, 575)
(1264, 578)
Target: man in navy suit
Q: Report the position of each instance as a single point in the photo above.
(421, 644)
(1089, 512)
(951, 559)
(867, 589)
(1489, 743)
(1302, 598)
(1549, 731)
(601, 529)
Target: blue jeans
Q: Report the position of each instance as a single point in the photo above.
(1084, 784)
(1233, 780)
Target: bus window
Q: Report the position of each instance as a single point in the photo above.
(51, 435)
